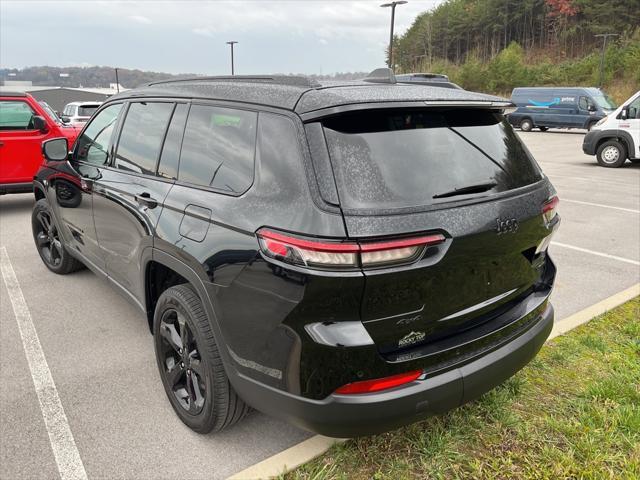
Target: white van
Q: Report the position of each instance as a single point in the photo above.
(616, 137)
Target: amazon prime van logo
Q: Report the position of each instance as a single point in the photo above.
(411, 338)
(506, 225)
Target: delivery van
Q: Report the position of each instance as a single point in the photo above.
(616, 137)
(559, 107)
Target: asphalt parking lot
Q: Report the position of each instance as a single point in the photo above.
(100, 354)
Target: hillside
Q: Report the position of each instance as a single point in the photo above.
(496, 45)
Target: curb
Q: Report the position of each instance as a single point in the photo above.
(313, 447)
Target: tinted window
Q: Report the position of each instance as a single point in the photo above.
(170, 157)
(218, 148)
(93, 144)
(404, 158)
(15, 115)
(87, 110)
(141, 137)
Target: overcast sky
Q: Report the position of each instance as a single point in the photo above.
(295, 36)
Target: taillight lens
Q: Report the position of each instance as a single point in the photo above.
(378, 384)
(549, 209)
(335, 254)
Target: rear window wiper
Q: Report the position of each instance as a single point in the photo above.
(477, 188)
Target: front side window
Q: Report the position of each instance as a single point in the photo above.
(388, 159)
(634, 109)
(142, 136)
(584, 103)
(93, 145)
(218, 148)
(16, 115)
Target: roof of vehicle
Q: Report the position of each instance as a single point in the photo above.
(588, 89)
(301, 94)
(14, 94)
(82, 104)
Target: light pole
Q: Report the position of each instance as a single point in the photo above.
(393, 17)
(604, 47)
(232, 43)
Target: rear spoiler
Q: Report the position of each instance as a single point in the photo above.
(504, 107)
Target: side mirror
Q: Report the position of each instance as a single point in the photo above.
(624, 113)
(39, 123)
(55, 150)
(591, 107)
(65, 119)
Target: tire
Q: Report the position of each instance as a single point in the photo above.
(526, 125)
(52, 251)
(195, 381)
(611, 154)
(543, 129)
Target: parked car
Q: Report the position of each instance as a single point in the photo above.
(350, 258)
(616, 137)
(432, 79)
(24, 125)
(79, 112)
(559, 107)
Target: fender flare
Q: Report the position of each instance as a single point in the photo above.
(180, 267)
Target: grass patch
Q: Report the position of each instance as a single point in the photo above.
(572, 413)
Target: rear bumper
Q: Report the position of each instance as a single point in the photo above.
(356, 415)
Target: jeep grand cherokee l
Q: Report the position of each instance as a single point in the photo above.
(350, 257)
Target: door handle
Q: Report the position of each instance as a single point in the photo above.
(145, 199)
(1, 144)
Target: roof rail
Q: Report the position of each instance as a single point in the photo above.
(293, 80)
(380, 75)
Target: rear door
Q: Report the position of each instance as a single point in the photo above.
(460, 173)
(129, 195)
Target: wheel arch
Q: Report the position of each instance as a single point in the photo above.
(622, 137)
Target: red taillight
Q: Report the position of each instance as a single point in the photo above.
(369, 386)
(549, 208)
(324, 253)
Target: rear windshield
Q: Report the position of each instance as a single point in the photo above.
(87, 110)
(386, 159)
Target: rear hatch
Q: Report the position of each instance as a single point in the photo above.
(459, 172)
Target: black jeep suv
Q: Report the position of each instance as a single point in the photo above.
(350, 257)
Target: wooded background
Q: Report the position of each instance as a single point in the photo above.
(496, 45)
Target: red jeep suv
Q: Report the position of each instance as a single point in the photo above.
(24, 125)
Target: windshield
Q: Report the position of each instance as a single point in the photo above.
(605, 101)
(45, 106)
(87, 110)
(386, 159)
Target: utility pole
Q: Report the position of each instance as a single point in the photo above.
(604, 48)
(117, 82)
(393, 17)
(231, 44)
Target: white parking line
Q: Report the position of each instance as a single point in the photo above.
(599, 254)
(600, 205)
(63, 445)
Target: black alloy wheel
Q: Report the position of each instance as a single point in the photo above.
(47, 239)
(191, 369)
(183, 368)
(46, 235)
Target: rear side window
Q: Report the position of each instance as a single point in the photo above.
(142, 136)
(218, 148)
(15, 115)
(87, 110)
(386, 159)
(168, 166)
